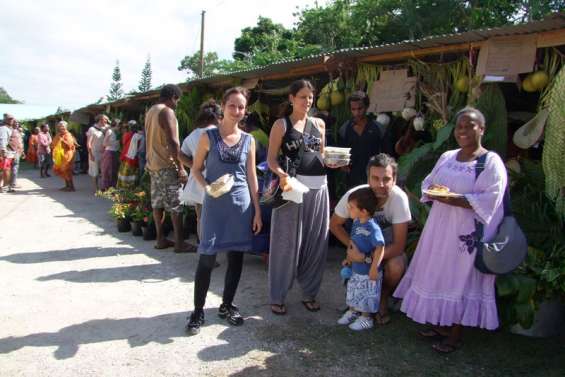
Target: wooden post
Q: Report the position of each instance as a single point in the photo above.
(202, 46)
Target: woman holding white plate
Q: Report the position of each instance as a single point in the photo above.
(442, 287)
(299, 232)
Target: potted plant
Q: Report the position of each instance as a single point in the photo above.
(138, 214)
(122, 213)
(124, 202)
(137, 217)
(148, 228)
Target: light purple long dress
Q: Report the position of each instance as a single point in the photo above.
(442, 286)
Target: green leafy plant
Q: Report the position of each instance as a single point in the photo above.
(493, 105)
(187, 110)
(121, 210)
(542, 275)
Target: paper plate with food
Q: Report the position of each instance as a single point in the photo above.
(220, 186)
(441, 191)
(335, 157)
(337, 161)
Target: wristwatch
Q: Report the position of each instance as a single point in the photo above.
(368, 260)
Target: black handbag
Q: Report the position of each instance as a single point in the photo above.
(271, 193)
(508, 247)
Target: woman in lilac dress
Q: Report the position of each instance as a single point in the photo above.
(442, 287)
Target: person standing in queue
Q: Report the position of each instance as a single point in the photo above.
(165, 169)
(299, 232)
(362, 135)
(228, 221)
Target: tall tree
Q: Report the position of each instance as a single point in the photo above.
(355, 23)
(268, 42)
(5, 97)
(212, 65)
(145, 82)
(116, 91)
(346, 23)
(330, 27)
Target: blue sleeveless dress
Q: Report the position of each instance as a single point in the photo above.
(227, 221)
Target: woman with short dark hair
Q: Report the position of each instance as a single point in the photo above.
(442, 287)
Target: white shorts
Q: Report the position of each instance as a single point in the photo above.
(93, 168)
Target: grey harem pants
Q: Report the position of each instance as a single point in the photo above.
(299, 245)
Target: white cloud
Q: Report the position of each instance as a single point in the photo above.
(63, 52)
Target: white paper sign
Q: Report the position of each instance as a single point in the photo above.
(393, 91)
(506, 56)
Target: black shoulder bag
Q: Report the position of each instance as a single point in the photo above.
(508, 247)
(271, 193)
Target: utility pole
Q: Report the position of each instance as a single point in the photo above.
(202, 46)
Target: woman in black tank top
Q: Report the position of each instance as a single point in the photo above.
(299, 232)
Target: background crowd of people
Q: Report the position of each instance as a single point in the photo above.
(114, 153)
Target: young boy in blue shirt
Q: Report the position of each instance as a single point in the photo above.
(363, 294)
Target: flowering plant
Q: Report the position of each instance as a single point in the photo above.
(121, 210)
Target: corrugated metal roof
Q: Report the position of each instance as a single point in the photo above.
(554, 22)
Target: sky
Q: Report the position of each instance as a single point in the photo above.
(63, 52)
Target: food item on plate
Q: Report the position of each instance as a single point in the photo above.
(438, 190)
(338, 157)
(220, 186)
(337, 161)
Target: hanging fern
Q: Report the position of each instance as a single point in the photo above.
(493, 106)
(187, 111)
(367, 74)
(554, 147)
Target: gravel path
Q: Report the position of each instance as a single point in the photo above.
(80, 299)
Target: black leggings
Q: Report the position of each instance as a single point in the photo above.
(204, 271)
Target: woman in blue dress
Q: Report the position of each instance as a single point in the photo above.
(228, 221)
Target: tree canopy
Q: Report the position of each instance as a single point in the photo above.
(355, 23)
(116, 90)
(212, 65)
(145, 81)
(5, 97)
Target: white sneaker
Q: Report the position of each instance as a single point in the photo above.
(348, 317)
(362, 323)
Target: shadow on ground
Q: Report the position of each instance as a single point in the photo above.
(136, 331)
(298, 344)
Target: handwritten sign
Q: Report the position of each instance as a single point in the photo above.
(505, 56)
(393, 91)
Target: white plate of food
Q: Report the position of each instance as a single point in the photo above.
(337, 161)
(220, 186)
(337, 150)
(441, 191)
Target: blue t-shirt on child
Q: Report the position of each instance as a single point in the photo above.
(366, 237)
